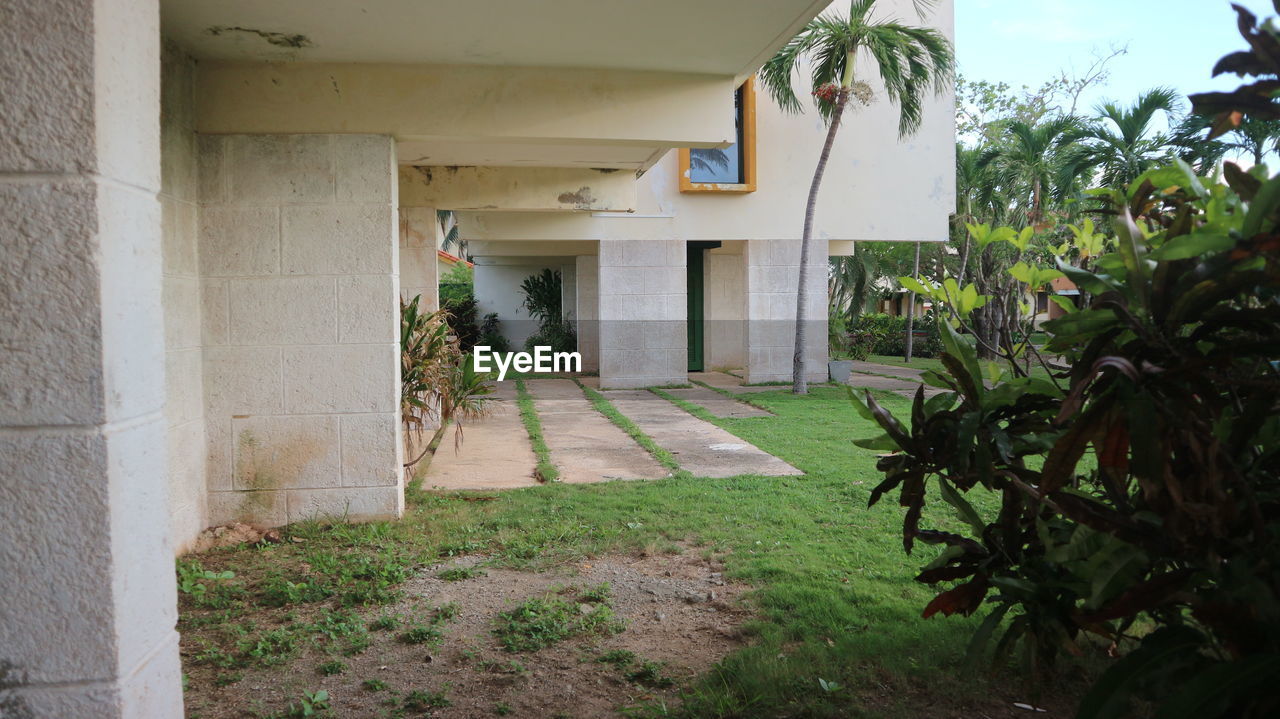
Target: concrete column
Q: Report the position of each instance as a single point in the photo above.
(725, 307)
(587, 311)
(298, 261)
(419, 263)
(184, 386)
(773, 272)
(88, 606)
(643, 336)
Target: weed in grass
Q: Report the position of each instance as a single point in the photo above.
(271, 648)
(512, 667)
(374, 685)
(649, 674)
(421, 634)
(215, 656)
(333, 624)
(420, 700)
(457, 549)
(312, 704)
(598, 594)
(226, 679)
(278, 591)
(446, 612)
(502, 709)
(542, 621)
(457, 574)
(328, 669)
(385, 623)
(617, 657)
(545, 470)
(356, 644)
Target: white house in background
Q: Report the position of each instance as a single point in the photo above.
(211, 208)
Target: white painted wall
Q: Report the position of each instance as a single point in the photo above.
(497, 287)
(298, 240)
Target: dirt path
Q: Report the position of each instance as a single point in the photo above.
(675, 610)
(585, 446)
(494, 453)
(701, 448)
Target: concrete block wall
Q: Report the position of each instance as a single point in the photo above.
(88, 603)
(299, 285)
(643, 306)
(725, 307)
(184, 383)
(587, 311)
(773, 274)
(419, 266)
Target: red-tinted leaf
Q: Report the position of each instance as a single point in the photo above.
(964, 599)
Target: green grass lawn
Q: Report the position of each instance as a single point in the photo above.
(834, 591)
(935, 364)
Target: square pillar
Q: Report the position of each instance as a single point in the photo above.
(298, 262)
(419, 262)
(587, 311)
(89, 605)
(773, 275)
(643, 308)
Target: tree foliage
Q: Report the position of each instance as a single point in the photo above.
(1157, 502)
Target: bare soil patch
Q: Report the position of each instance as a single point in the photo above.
(677, 609)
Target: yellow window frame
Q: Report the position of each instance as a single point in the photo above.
(748, 152)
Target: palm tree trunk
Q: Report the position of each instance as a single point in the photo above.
(799, 385)
(911, 308)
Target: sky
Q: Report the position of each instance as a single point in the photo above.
(1170, 42)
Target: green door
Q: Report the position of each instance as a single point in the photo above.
(696, 253)
(695, 257)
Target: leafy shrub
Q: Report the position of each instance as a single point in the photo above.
(439, 384)
(1153, 521)
(887, 335)
(542, 300)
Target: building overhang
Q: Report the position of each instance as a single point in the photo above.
(606, 84)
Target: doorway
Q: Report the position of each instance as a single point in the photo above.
(695, 263)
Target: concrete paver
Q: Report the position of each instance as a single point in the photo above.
(724, 380)
(701, 448)
(495, 452)
(718, 404)
(585, 446)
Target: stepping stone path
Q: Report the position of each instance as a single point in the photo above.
(494, 453)
(701, 448)
(585, 446)
(717, 404)
(726, 381)
(902, 381)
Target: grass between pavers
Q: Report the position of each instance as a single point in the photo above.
(545, 469)
(935, 364)
(834, 592)
(744, 397)
(621, 421)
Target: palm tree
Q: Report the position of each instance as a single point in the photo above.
(909, 59)
(1253, 137)
(1123, 145)
(1032, 162)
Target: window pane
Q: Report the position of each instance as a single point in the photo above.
(721, 166)
(715, 165)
